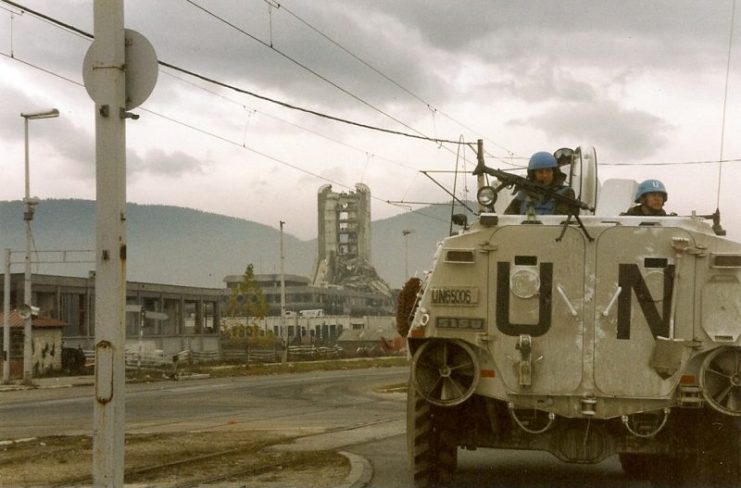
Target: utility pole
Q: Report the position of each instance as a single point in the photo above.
(28, 325)
(6, 319)
(283, 291)
(120, 72)
(110, 271)
(406, 233)
(28, 217)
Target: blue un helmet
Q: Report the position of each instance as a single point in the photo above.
(651, 186)
(542, 160)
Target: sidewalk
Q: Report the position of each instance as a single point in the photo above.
(88, 380)
(59, 382)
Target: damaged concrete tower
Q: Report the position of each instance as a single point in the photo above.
(344, 250)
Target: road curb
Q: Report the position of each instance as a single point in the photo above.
(360, 474)
(361, 470)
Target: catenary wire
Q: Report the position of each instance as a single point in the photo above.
(284, 121)
(318, 75)
(381, 74)
(243, 91)
(76, 30)
(225, 139)
(675, 163)
(725, 102)
(85, 34)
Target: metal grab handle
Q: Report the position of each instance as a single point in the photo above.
(626, 421)
(612, 302)
(551, 418)
(565, 299)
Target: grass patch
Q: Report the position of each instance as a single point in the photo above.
(299, 366)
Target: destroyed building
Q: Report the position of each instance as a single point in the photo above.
(344, 241)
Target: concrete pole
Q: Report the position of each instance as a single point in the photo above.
(110, 272)
(406, 233)
(6, 319)
(30, 204)
(28, 323)
(283, 328)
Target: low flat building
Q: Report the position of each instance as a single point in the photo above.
(193, 313)
(47, 344)
(301, 295)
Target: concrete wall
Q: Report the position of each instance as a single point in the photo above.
(47, 350)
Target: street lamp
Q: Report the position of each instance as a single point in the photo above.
(406, 233)
(28, 217)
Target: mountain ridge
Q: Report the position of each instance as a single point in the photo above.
(185, 246)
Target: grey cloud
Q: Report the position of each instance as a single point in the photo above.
(462, 25)
(676, 34)
(160, 163)
(74, 145)
(228, 55)
(539, 83)
(629, 133)
(536, 41)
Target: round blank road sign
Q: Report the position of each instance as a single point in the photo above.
(140, 72)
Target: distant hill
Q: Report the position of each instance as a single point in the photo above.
(190, 247)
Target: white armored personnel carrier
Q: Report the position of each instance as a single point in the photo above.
(586, 336)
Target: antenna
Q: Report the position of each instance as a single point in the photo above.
(725, 101)
(455, 183)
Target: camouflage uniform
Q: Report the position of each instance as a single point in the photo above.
(543, 205)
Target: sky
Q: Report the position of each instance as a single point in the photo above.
(644, 82)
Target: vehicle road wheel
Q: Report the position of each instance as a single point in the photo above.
(637, 466)
(659, 469)
(431, 443)
(719, 453)
(716, 442)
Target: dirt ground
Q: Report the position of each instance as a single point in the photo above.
(157, 460)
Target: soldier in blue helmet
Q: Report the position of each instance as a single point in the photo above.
(650, 197)
(542, 169)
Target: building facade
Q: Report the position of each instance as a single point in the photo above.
(344, 242)
(193, 313)
(46, 354)
(344, 224)
(332, 300)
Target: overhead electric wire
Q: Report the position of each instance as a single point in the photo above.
(292, 124)
(51, 20)
(90, 36)
(321, 77)
(82, 33)
(675, 163)
(16, 58)
(301, 109)
(221, 138)
(382, 74)
(244, 91)
(725, 101)
(198, 129)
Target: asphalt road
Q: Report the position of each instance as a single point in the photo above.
(334, 409)
(295, 403)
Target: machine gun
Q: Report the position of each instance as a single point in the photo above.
(508, 180)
